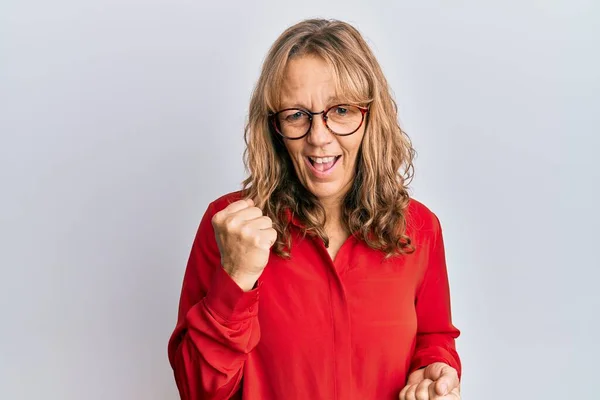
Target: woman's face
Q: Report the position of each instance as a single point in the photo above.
(324, 162)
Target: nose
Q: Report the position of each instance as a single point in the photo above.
(319, 135)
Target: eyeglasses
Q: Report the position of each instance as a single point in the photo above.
(341, 120)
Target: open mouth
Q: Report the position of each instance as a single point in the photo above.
(323, 164)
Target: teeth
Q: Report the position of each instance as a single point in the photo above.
(322, 160)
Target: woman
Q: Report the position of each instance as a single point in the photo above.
(321, 279)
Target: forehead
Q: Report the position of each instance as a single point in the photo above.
(308, 79)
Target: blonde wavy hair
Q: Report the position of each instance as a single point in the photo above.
(374, 208)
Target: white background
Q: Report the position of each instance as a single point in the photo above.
(121, 120)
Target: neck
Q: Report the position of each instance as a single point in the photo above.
(333, 211)
(333, 208)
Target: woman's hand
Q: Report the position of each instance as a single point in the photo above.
(437, 381)
(244, 236)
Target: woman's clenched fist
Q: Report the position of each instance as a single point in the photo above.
(244, 236)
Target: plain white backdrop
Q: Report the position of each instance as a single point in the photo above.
(121, 120)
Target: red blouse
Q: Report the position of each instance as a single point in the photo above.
(349, 329)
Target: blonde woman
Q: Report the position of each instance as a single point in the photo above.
(321, 278)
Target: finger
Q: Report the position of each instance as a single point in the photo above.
(221, 216)
(445, 376)
(262, 222)
(411, 392)
(237, 205)
(453, 395)
(432, 392)
(402, 395)
(423, 389)
(447, 381)
(434, 371)
(416, 377)
(267, 238)
(246, 214)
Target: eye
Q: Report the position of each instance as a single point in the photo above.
(295, 116)
(341, 111)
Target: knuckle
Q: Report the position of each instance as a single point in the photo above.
(424, 383)
(256, 241)
(238, 203)
(246, 231)
(230, 222)
(422, 394)
(271, 236)
(216, 219)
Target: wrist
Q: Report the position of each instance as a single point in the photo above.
(245, 281)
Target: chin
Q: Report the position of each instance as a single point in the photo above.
(327, 190)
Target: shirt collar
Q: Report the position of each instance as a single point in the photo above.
(292, 218)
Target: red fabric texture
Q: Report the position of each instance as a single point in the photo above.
(352, 328)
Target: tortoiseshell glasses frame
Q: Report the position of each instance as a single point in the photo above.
(273, 118)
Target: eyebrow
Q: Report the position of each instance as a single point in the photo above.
(330, 101)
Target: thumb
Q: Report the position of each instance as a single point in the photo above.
(441, 388)
(446, 379)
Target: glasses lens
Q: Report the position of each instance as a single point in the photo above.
(344, 119)
(293, 123)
